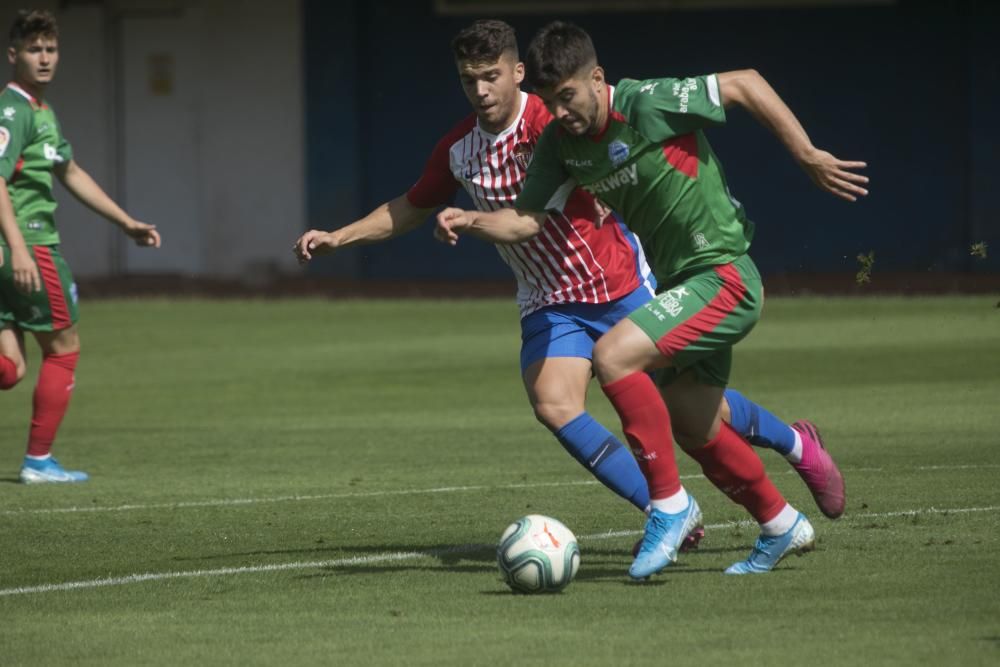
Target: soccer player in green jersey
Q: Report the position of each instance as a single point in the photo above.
(639, 148)
(37, 292)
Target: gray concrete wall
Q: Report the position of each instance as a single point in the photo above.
(244, 100)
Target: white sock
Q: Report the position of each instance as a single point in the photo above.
(672, 505)
(37, 458)
(795, 456)
(782, 523)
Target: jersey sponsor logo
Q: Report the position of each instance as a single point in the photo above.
(578, 163)
(699, 241)
(8, 113)
(682, 91)
(35, 225)
(618, 152)
(52, 154)
(670, 300)
(4, 140)
(624, 176)
(649, 87)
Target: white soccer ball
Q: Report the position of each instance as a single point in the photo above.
(538, 554)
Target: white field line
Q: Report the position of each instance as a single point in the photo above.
(235, 502)
(402, 556)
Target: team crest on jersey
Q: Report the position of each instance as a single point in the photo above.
(8, 113)
(618, 152)
(4, 140)
(522, 155)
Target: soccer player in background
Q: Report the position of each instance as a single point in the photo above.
(639, 148)
(574, 282)
(37, 292)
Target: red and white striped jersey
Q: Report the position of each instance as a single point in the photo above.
(570, 261)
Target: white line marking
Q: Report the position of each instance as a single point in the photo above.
(236, 502)
(400, 556)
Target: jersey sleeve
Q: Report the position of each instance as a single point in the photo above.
(14, 132)
(667, 108)
(437, 185)
(547, 186)
(64, 150)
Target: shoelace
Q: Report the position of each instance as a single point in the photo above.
(660, 525)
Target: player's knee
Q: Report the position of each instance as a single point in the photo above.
(555, 415)
(10, 381)
(607, 363)
(691, 433)
(613, 362)
(690, 441)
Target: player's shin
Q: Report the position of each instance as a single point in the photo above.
(51, 400)
(738, 472)
(607, 459)
(758, 426)
(646, 424)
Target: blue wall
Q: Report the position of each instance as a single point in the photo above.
(912, 88)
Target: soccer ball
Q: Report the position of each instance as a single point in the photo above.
(538, 554)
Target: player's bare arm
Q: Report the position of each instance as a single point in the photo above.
(750, 90)
(89, 193)
(385, 222)
(23, 267)
(506, 225)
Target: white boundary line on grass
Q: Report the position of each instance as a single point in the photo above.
(397, 556)
(235, 502)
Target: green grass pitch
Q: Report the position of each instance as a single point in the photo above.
(311, 482)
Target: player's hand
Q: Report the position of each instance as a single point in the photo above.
(26, 278)
(450, 222)
(144, 235)
(313, 242)
(601, 213)
(838, 177)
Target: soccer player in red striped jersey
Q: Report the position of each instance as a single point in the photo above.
(37, 292)
(574, 281)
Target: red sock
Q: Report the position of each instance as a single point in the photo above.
(731, 464)
(646, 423)
(8, 372)
(55, 386)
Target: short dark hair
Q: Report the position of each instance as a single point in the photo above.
(33, 23)
(558, 51)
(485, 41)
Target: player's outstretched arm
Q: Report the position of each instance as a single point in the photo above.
(84, 188)
(750, 90)
(23, 267)
(388, 220)
(506, 225)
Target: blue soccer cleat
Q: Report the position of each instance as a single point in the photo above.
(48, 470)
(665, 533)
(769, 550)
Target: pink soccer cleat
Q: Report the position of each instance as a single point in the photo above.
(819, 471)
